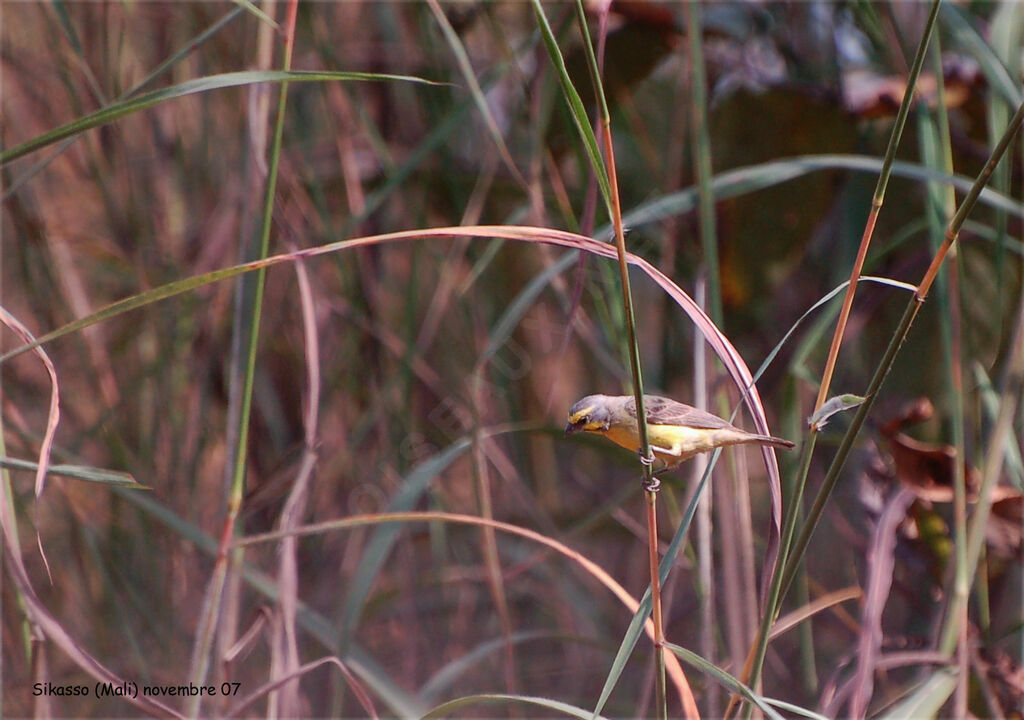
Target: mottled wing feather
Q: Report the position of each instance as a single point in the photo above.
(665, 411)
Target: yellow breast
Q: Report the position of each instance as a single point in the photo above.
(681, 443)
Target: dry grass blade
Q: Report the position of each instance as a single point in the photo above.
(790, 620)
(589, 566)
(51, 628)
(285, 647)
(724, 349)
(53, 416)
(357, 687)
(478, 94)
(881, 564)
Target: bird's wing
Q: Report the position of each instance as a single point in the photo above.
(665, 411)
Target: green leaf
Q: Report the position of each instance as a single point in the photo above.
(830, 407)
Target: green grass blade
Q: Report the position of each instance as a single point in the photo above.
(446, 709)
(927, 700)
(77, 472)
(120, 109)
(377, 549)
(968, 37)
(751, 178)
(636, 625)
(579, 113)
(725, 679)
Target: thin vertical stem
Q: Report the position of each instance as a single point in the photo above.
(212, 609)
(936, 148)
(702, 159)
(701, 150)
(876, 206)
(659, 630)
(650, 482)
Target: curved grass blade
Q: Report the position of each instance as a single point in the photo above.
(968, 37)
(725, 679)
(53, 416)
(120, 109)
(724, 349)
(453, 670)
(751, 178)
(822, 301)
(77, 472)
(447, 709)
(590, 567)
(927, 700)
(576, 109)
(399, 701)
(377, 549)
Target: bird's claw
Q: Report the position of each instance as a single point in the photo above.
(653, 483)
(646, 460)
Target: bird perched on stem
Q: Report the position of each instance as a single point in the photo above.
(676, 432)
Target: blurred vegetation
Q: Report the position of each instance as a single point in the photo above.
(446, 366)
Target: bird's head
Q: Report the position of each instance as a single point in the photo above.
(591, 414)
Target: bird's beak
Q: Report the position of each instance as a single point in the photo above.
(572, 429)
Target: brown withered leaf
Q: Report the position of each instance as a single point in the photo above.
(928, 470)
(869, 95)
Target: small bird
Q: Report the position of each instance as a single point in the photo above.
(676, 432)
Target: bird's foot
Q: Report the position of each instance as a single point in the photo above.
(654, 483)
(646, 460)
